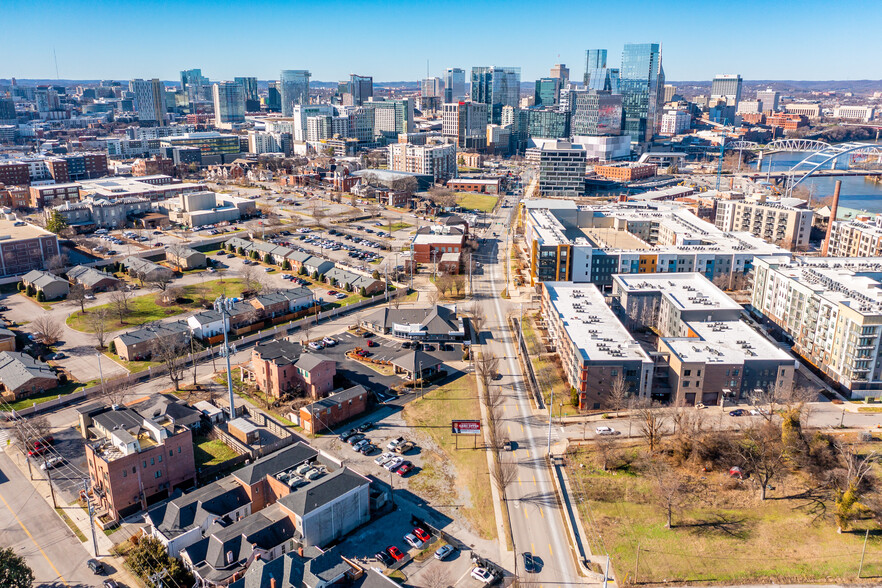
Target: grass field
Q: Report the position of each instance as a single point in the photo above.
(397, 226)
(482, 202)
(144, 309)
(548, 373)
(133, 366)
(211, 452)
(727, 535)
(458, 475)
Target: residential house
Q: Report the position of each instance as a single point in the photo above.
(356, 282)
(21, 375)
(313, 569)
(138, 344)
(278, 367)
(7, 338)
(92, 279)
(429, 246)
(328, 412)
(184, 258)
(50, 285)
(143, 269)
(283, 302)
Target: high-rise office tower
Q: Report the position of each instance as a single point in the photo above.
(7, 109)
(727, 87)
(249, 89)
(432, 87)
(497, 87)
(295, 89)
(195, 85)
(229, 103)
(361, 88)
(149, 100)
(597, 75)
(454, 84)
(547, 92)
(46, 99)
(670, 91)
(769, 98)
(465, 123)
(274, 97)
(596, 113)
(561, 72)
(639, 86)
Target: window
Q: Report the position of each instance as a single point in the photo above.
(614, 373)
(171, 452)
(157, 474)
(179, 449)
(160, 459)
(145, 464)
(152, 461)
(133, 469)
(125, 473)
(734, 372)
(686, 383)
(687, 372)
(698, 373)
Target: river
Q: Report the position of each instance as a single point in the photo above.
(856, 192)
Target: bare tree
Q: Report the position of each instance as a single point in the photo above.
(161, 279)
(606, 451)
(670, 489)
(652, 423)
(618, 393)
(476, 320)
(119, 298)
(852, 482)
(172, 294)
(57, 263)
(50, 330)
(88, 244)
(29, 431)
(486, 368)
(434, 296)
(505, 473)
(97, 321)
(77, 294)
(116, 389)
(762, 454)
(171, 352)
(174, 253)
(249, 277)
(442, 197)
(435, 577)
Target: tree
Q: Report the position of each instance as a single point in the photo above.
(119, 298)
(28, 431)
(56, 223)
(505, 473)
(161, 279)
(762, 454)
(77, 294)
(618, 393)
(851, 484)
(436, 577)
(50, 329)
(248, 276)
(57, 263)
(362, 292)
(148, 556)
(670, 489)
(29, 290)
(486, 368)
(40, 296)
(171, 351)
(652, 423)
(172, 294)
(376, 275)
(442, 197)
(116, 389)
(97, 321)
(14, 570)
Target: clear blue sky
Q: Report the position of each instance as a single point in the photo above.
(97, 39)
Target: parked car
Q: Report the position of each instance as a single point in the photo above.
(329, 342)
(367, 449)
(365, 427)
(385, 458)
(482, 575)
(385, 558)
(372, 343)
(347, 434)
(737, 412)
(606, 431)
(403, 447)
(52, 462)
(404, 468)
(355, 438)
(394, 443)
(359, 444)
(421, 534)
(411, 540)
(96, 566)
(316, 345)
(395, 553)
(394, 464)
(443, 552)
(110, 584)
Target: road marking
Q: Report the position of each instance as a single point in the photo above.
(525, 513)
(534, 478)
(37, 545)
(522, 426)
(519, 480)
(542, 513)
(550, 550)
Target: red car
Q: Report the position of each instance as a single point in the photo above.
(421, 534)
(331, 292)
(395, 553)
(39, 449)
(404, 468)
(372, 343)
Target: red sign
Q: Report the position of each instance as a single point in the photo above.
(465, 427)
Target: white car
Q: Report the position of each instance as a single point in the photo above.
(360, 444)
(606, 431)
(482, 575)
(329, 342)
(412, 540)
(384, 459)
(394, 464)
(52, 462)
(316, 346)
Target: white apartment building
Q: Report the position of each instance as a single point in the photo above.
(561, 167)
(856, 239)
(862, 113)
(807, 110)
(439, 161)
(784, 224)
(674, 122)
(300, 115)
(749, 107)
(262, 142)
(832, 309)
(149, 101)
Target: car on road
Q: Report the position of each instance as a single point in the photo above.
(606, 431)
(411, 540)
(443, 552)
(385, 458)
(385, 558)
(394, 443)
(482, 575)
(52, 462)
(395, 553)
(737, 412)
(355, 438)
(529, 563)
(404, 469)
(96, 566)
(421, 534)
(372, 343)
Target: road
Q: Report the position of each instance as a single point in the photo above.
(536, 518)
(34, 531)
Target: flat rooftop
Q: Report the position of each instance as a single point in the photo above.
(686, 291)
(727, 342)
(609, 238)
(590, 323)
(26, 231)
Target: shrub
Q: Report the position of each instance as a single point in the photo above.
(112, 347)
(20, 286)
(29, 290)
(41, 297)
(286, 265)
(363, 292)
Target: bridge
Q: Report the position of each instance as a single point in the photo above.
(798, 145)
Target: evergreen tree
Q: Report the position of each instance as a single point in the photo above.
(14, 571)
(56, 223)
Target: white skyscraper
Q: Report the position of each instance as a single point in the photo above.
(727, 87)
(149, 100)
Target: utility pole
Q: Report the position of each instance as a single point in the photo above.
(224, 305)
(49, 479)
(863, 553)
(91, 518)
(550, 420)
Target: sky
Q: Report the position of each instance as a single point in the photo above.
(392, 41)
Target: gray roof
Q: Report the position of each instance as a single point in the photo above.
(159, 405)
(309, 361)
(139, 264)
(181, 514)
(88, 276)
(288, 294)
(323, 491)
(41, 279)
(334, 399)
(276, 462)
(281, 352)
(355, 280)
(438, 319)
(122, 419)
(17, 369)
(413, 360)
(154, 331)
(315, 568)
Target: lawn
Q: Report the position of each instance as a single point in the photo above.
(47, 395)
(209, 452)
(482, 202)
(144, 309)
(450, 474)
(727, 535)
(548, 373)
(397, 226)
(133, 366)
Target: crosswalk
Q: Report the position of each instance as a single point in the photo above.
(5, 438)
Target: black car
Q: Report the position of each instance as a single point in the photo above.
(405, 345)
(365, 427)
(529, 564)
(384, 557)
(353, 439)
(737, 412)
(347, 434)
(96, 566)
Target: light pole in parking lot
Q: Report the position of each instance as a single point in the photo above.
(224, 305)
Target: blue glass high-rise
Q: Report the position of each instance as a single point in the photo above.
(639, 84)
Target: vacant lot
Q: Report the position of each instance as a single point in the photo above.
(144, 309)
(722, 533)
(211, 452)
(482, 202)
(451, 475)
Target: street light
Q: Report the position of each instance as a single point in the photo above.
(224, 305)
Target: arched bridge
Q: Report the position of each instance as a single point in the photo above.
(800, 145)
(830, 155)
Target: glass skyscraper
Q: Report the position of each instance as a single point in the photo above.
(497, 87)
(597, 75)
(596, 113)
(547, 91)
(295, 89)
(454, 84)
(640, 85)
(249, 88)
(229, 103)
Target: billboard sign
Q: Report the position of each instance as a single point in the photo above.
(465, 427)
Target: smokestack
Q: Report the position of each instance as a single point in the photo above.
(731, 183)
(833, 210)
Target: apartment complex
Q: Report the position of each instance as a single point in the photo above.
(596, 350)
(561, 168)
(280, 367)
(625, 171)
(832, 309)
(783, 223)
(438, 161)
(24, 247)
(856, 239)
(590, 243)
(465, 123)
(706, 353)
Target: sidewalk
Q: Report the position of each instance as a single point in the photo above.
(80, 518)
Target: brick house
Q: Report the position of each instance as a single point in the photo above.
(21, 375)
(334, 409)
(280, 366)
